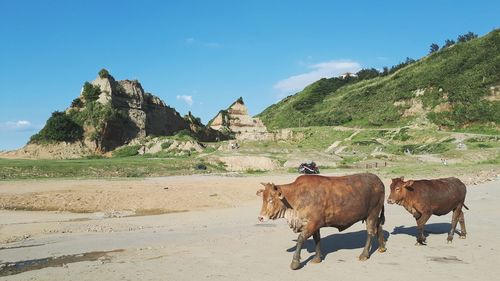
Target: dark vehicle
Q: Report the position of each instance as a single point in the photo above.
(308, 168)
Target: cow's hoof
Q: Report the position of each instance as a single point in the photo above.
(420, 243)
(382, 249)
(295, 265)
(449, 240)
(363, 257)
(462, 236)
(316, 260)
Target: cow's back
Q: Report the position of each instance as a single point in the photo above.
(440, 195)
(338, 201)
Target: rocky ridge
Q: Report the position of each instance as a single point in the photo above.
(235, 120)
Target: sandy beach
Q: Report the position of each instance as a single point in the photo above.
(206, 228)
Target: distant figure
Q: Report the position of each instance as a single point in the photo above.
(443, 161)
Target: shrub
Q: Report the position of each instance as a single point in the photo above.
(90, 92)
(103, 73)
(166, 144)
(59, 127)
(77, 103)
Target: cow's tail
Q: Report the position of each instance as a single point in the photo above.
(381, 219)
(466, 207)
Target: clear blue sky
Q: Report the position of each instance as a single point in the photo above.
(211, 52)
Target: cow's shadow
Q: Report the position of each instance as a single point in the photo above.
(339, 241)
(431, 228)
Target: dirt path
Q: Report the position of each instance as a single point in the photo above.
(229, 244)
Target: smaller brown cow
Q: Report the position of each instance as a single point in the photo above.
(424, 198)
(312, 202)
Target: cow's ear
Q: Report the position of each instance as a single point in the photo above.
(402, 178)
(263, 183)
(408, 185)
(259, 192)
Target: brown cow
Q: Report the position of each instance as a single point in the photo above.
(423, 198)
(313, 201)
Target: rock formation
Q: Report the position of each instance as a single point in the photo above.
(235, 120)
(202, 132)
(144, 113)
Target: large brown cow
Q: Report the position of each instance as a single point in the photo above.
(312, 202)
(423, 198)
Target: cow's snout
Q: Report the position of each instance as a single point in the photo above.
(261, 218)
(390, 201)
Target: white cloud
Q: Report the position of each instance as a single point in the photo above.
(20, 125)
(320, 70)
(186, 99)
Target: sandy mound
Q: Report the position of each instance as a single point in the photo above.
(60, 150)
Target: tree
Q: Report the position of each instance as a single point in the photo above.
(448, 43)
(385, 71)
(466, 37)
(367, 73)
(434, 48)
(103, 73)
(90, 92)
(59, 127)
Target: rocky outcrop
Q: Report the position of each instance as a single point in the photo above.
(146, 114)
(202, 132)
(235, 120)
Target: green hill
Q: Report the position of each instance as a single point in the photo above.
(456, 87)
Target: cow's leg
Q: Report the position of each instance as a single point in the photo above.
(454, 220)
(371, 228)
(463, 232)
(317, 238)
(424, 217)
(296, 256)
(381, 240)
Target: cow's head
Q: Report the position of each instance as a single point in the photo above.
(399, 189)
(272, 204)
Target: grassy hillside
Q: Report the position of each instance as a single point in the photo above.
(449, 88)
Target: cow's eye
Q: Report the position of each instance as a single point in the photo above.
(398, 188)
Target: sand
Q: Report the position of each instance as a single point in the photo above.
(218, 237)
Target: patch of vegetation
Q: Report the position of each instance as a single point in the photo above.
(127, 151)
(59, 127)
(255, 171)
(166, 144)
(209, 149)
(432, 148)
(95, 116)
(100, 168)
(402, 135)
(365, 142)
(183, 135)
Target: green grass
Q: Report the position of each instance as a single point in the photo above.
(96, 168)
(459, 75)
(127, 151)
